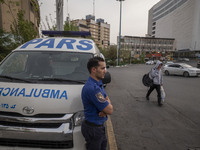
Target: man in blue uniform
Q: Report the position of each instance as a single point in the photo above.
(97, 106)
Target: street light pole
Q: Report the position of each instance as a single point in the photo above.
(119, 40)
(59, 15)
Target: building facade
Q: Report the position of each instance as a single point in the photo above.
(9, 10)
(100, 31)
(178, 19)
(152, 48)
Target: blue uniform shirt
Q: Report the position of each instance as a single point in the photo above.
(93, 98)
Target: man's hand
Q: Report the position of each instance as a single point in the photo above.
(102, 114)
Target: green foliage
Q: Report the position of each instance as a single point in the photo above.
(110, 55)
(17, 3)
(7, 43)
(68, 26)
(142, 56)
(53, 28)
(125, 57)
(24, 30)
(139, 60)
(21, 30)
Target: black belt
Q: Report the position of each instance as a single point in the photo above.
(93, 124)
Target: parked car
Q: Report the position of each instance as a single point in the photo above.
(155, 61)
(186, 59)
(180, 59)
(150, 62)
(168, 63)
(198, 64)
(181, 69)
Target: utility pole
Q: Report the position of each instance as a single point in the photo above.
(119, 40)
(93, 7)
(59, 15)
(68, 17)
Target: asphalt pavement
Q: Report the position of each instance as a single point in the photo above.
(139, 124)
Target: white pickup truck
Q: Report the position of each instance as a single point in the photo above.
(40, 93)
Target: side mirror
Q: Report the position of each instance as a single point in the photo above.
(107, 78)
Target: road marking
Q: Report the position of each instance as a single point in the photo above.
(111, 136)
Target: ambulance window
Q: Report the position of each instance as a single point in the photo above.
(70, 64)
(39, 65)
(14, 64)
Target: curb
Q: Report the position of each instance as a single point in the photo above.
(111, 137)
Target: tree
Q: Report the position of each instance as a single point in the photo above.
(68, 26)
(21, 30)
(24, 30)
(110, 55)
(7, 43)
(51, 28)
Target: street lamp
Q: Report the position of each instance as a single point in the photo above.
(119, 40)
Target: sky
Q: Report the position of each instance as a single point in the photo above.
(134, 14)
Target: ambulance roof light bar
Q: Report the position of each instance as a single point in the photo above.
(66, 33)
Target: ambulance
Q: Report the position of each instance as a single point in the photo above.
(40, 93)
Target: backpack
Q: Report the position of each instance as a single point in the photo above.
(146, 80)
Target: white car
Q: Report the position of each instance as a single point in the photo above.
(168, 63)
(186, 59)
(150, 62)
(181, 69)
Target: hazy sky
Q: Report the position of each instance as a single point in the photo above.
(134, 14)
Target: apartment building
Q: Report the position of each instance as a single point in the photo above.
(100, 31)
(9, 10)
(178, 19)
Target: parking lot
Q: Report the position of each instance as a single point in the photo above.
(139, 124)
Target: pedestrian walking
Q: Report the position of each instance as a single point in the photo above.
(97, 106)
(156, 74)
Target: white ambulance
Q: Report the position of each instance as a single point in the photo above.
(40, 94)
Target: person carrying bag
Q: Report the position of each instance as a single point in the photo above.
(156, 74)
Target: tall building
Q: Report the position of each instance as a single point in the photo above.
(100, 31)
(104, 33)
(8, 12)
(81, 24)
(153, 48)
(178, 19)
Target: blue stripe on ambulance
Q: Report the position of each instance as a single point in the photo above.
(44, 93)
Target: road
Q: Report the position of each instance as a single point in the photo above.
(142, 125)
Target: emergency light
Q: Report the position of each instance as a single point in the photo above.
(66, 33)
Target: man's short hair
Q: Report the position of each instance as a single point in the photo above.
(94, 62)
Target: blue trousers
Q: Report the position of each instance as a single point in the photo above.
(95, 137)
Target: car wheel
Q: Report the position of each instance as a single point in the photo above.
(185, 74)
(166, 72)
